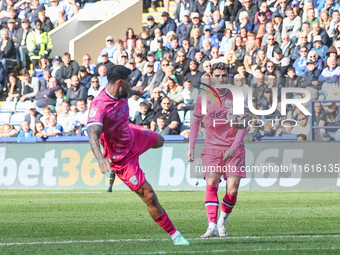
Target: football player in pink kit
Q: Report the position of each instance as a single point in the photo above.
(108, 122)
(223, 146)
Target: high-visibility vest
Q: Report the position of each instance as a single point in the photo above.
(38, 44)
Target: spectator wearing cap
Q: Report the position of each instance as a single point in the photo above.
(38, 42)
(65, 118)
(20, 36)
(109, 49)
(318, 31)
(310, 79)
(135, 73)
(33, 115)
(319, 48)
(56, 64)
(182, 29)
(7, 52)
(260, 28)
(166, 23)
(85, 77)
(196, 23)
(105, 62)
(90, 67)
(151, 59)
(160, 49)
(250, 8)
(296, 8)
(68, 8)
(140, 61)
(213, 39)
(52, 12)
(267, 13)
(11, 25)
(95, 89)
(183, 7)
(32, 13)
(47, 25)
(102, 76)
(151, 25)
(145, 79)
(68, 69)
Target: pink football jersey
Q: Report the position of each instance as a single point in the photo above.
(222, 135)
(113, 114)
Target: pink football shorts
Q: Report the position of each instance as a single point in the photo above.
(212, 163)
(128, 169)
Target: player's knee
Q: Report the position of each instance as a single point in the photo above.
(232, 191)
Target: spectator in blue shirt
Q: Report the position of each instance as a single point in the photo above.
(213, 39)
(25, 130)
(319, 48)
(53, 129)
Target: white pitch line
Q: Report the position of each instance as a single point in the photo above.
(167, 239)
(236, 251)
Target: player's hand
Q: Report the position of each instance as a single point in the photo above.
(191, 155)
(105, 165)
(139, 89)
(228, 154)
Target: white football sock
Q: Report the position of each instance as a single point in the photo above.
(174, 235)
(223, 218)
(212, 225)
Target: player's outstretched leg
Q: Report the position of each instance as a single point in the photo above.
(158, 214)
(228, 203)
(112, 179)
(211, 204)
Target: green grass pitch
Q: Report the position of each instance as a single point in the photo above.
(86, 222)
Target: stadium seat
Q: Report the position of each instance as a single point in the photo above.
(21, 107)
(187, 118)
(4, 117)
(8, 107)
(181, 116)
(17, 118)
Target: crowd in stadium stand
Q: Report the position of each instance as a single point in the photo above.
(266, 44)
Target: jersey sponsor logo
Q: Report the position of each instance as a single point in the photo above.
(133, 180)
(93, 112)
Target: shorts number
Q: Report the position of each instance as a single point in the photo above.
(240, 161)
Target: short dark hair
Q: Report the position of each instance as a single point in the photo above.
(220, 66)
(90, 97)
(304, 137)
(117, 72)
(161, 117)
(290, 69)
(143, 104)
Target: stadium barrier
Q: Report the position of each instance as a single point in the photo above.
(65, 165)
(312, 127)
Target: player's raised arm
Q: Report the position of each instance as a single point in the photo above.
(94, 132)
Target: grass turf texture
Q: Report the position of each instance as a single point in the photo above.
(76, 222)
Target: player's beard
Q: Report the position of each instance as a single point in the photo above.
(125, 95)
